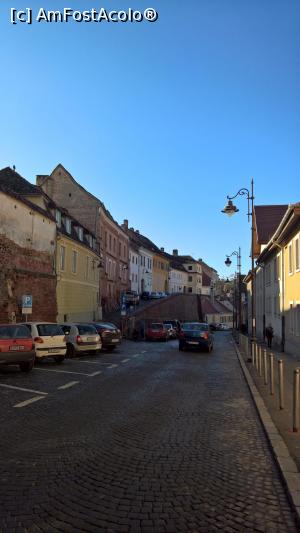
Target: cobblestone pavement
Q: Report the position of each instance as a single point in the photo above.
(159, 441)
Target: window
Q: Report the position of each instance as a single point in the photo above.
(58, 217)
(291, 318)
(124, 251)
(290, 259)
(114, 245)
(110, 242)
(105, 239)
(190, 267)
(119, 249)
(190, 278)
(297, 319)
(80, 234)
(74, 262)
(87, 268)
(62, 259)
(190, 289)
(68, 225)
(297, 254)
(268, 274)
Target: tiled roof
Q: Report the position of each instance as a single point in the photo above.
(209, 307)
(10, 179)
(141, 240)
(268, 218)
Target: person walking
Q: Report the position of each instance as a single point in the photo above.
(269, 335)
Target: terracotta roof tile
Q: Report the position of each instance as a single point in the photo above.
(268, 218)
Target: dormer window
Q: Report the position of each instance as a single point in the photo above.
(90, 240)
(80, 234)
(68, 225)
(94, 244)
(58, 217)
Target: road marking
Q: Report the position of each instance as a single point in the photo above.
(137, 355)
(95, 373)
(112, 366)
(62, 371)
(31, 400)
(125, 360)
(144, 351)
(68, 385)
(22, 389)
(94, 362)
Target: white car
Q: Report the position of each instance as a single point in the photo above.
(81, 338)
(49, 340)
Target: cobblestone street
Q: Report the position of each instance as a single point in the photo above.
(145, 440)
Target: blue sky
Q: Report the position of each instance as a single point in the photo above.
(160, 120)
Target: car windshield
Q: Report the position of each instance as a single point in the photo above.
(84, 329)
(195, 327)
(14, 332)
(156, 326)
(106, 325)
(168, 326)
(49, 330)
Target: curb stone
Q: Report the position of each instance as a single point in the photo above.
(285, 462)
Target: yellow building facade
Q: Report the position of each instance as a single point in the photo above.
(277, 283)
(160, 273)
(77, 267)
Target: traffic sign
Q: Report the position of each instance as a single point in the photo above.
(26, 304)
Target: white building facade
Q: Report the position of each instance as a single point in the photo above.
(177, 280)
(134, 269)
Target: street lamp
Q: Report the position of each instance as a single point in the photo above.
(239, 266)
(230, 209)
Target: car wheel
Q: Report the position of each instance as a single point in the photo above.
(59, 358)
(70, 350)
(110, 348)
(26, 366)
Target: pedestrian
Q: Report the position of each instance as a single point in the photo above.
(269, 335)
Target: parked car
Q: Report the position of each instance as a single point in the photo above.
(16, 346)
(161, 294)
(195, 335)
(224, 327)
(49, 340)
(156, 331)
(175, 323)
(154, 295)
(145, 295)
(131, 298)
(172, 333)
(110, 335)
(81, 338)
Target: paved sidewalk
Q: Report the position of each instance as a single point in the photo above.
(283, 418)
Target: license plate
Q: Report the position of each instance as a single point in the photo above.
(16, 348)
(89, 339)
(52, 350)
(114, 340)
(192, 342)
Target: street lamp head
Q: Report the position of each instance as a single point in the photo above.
(228, 262)
(230, 209)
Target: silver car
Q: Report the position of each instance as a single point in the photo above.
(81, 338)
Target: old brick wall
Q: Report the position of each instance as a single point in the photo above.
(26, 271)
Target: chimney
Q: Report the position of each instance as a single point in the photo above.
(137, 231)
(162, 249)
(125, 223)
(175, 252)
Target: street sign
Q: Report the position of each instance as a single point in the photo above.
(26, 304)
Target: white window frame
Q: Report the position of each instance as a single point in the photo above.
(58, 217)
(297, 318)
(62, 258)
(68, 225)
(290, 259)
(297, 254)
(74, 261)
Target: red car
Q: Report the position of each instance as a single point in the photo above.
(16, 346)
(157, 332)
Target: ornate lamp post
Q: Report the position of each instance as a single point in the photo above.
(230, 209)
(239, 266)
